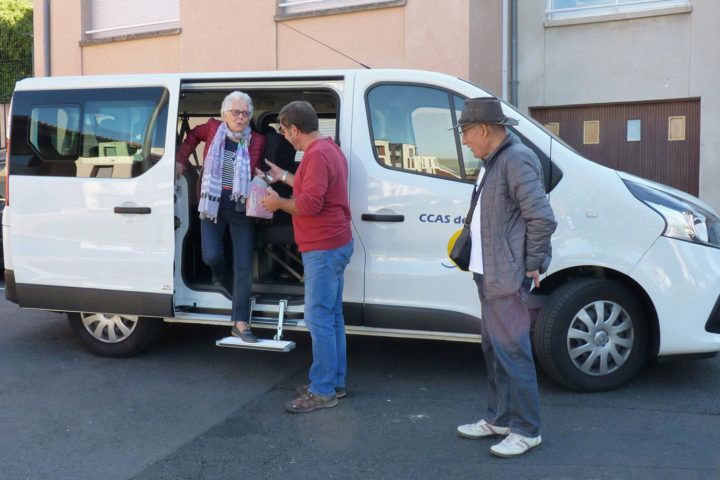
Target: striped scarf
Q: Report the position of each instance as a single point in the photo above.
(211, 187)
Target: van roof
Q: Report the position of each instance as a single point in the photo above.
(39, 83)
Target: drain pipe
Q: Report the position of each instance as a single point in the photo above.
(505, 42)
(46, 36)
(513, 52)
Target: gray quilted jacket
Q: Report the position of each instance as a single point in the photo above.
(516, 220)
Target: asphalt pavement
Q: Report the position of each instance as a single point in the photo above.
(186, 409)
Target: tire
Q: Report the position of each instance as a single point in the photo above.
(114, 335)
(592, 335)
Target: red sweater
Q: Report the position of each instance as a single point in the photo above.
(321, 197)
(206, 133)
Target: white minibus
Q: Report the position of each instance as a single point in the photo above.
(96, 224)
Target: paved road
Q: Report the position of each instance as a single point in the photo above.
(189, 410)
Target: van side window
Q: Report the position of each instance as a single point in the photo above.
(102, 133)
(54, 130)
(410, 128)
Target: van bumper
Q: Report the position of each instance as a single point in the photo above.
(713, 323)
(78, 299)
(682, 280)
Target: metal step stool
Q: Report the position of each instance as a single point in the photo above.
(277, 344)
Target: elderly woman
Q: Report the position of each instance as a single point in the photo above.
(232, 152)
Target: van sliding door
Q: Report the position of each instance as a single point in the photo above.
(92, 198)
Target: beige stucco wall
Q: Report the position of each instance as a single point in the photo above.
(649, 58)
(227, 35)
(458, 37)
(64, 37)
(156, 55)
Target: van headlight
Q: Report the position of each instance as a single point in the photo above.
(684, 220)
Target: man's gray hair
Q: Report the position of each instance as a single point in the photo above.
(236, 95)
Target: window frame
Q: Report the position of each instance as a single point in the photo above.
(613, 10)
(289, 9)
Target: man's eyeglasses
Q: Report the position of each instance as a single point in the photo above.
(237, 113)
(464, 131)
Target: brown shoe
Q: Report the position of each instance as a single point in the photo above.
(308, 401)
(340, 392)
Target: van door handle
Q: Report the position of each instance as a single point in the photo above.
(373, 217)
(135, 210)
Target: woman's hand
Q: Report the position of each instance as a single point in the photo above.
(179, 170)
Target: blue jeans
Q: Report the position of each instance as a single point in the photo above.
(512, 382)
(324, 271)
(242, 234)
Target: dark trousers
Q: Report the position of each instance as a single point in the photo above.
(512, 382)
(242, 235)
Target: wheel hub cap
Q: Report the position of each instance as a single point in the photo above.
(109, 328)
(600, 338)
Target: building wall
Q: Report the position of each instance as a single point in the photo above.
(633, 60)
(486, 39)
(245, 39)
(422, 34)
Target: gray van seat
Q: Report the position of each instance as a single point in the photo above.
(280, 152)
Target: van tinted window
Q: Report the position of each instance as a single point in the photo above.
(410, 126)
(103, 133)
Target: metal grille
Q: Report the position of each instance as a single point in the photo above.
(15, 63)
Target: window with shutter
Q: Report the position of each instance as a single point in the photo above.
(307, 8)
(115, 18)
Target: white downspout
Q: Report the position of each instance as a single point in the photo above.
(46, 36)
(505, 42)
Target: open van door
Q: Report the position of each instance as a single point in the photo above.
(90, 213)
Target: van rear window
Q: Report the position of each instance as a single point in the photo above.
(102, 133)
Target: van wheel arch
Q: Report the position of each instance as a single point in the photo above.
(557, 279)
(114, 335)
(577, 348)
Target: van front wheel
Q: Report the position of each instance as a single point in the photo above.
(114, 335)
(592, 335)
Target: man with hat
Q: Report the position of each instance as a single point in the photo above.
(510, 229)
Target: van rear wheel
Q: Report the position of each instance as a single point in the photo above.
(592, 335)
(114, 335)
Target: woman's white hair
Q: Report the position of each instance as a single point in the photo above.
(236, 95)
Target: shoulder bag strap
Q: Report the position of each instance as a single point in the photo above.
(476, 197)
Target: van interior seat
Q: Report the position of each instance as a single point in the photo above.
(280, 152)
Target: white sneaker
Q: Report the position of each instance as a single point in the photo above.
(481, 429)
(515, 444)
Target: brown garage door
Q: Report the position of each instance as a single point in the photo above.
(655, 140)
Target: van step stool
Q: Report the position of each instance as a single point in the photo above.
(277, 344)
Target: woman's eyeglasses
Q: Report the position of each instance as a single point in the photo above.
(237, 113)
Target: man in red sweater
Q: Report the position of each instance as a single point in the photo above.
(321, 222)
